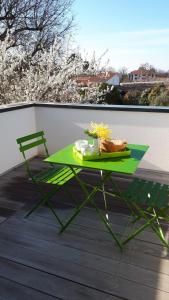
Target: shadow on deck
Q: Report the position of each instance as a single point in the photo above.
(83, 263)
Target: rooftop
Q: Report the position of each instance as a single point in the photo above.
(98, 78)
(142, 72)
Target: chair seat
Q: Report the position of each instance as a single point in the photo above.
(148, 193)
(56, 176)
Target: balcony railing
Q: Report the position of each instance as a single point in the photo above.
(64, 123)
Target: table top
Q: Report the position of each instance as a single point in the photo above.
(126, 165)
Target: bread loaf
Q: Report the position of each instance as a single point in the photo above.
(112, 145)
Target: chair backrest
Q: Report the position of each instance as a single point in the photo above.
(30, 141)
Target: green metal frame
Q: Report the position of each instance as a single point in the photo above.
(89, 198)
(54, 176)
(126, 165)
(147, 201)
(150, 203)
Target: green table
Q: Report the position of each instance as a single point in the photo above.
(125, 165)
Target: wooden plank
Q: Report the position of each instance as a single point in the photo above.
(107, 265)
(2, 219)
(46, 263)
(91, 217)
(20, 195)
(49, 231)
(6, 212)
(14, 205)
(49, 284)
(124, 288)
(147, 235)
(10, 290)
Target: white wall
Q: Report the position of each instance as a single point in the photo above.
(14, 124)
(64, 126)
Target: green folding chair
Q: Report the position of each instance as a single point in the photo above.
(52, 175)
(150, 203)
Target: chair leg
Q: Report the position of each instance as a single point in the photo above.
(68, 192)
(54, 213)
(137, 231)
(156, 228)
(149, 223)
(46, 198)
(35, 207)
(160, 234)
(78, 209)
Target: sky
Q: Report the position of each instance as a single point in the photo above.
(132, 32)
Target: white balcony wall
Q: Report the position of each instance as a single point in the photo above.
(14, 124)
(65, 125)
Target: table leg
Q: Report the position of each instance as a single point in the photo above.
(104, 195)
(89, 198)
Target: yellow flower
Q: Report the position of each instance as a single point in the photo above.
(101, 130)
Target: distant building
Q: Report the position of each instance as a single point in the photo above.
(102, 77)
(141, 75)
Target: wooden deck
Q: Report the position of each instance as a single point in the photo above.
(36, 263)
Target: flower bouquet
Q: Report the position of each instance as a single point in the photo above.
(98, 131)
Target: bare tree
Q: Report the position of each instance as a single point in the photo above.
(34, 24)
(123, 70)
(147, 67)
